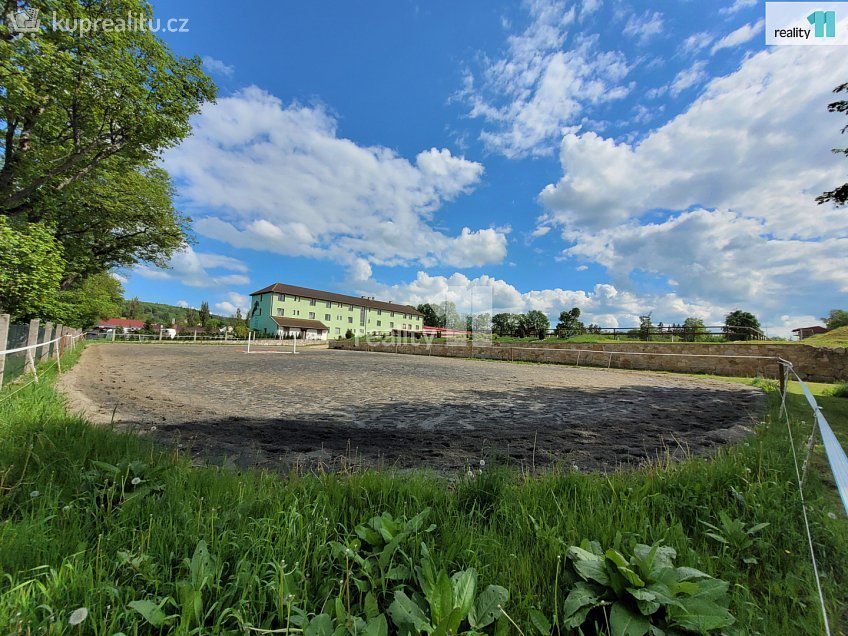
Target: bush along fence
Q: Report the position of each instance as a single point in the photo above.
(24, 346)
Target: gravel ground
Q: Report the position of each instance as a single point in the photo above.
(336, 409)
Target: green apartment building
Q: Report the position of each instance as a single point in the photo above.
(311, 314)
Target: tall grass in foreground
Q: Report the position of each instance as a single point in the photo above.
(96, 519)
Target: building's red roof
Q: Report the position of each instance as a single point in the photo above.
(120, 322)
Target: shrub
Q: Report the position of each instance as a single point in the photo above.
(645, 594)
(840, 390)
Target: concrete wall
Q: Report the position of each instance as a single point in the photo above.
(815, 364)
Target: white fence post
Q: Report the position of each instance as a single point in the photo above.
(32, 340)
(48, 336)
(4, 341)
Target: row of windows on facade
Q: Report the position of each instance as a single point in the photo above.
(328, 317)
(329, 305)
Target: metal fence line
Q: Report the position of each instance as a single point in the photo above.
(838, 465)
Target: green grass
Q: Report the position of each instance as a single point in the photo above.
(73, 535)
(835, 338)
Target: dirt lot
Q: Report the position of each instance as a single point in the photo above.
(337, 408)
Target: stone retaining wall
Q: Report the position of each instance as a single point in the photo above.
(815, 364)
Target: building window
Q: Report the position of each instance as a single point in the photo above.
(281, 297)
(296, 312)
(393, 314)
(329, 305)
(350, 320)
(326, 316)
(379, 312)
(392, 325)
(311, 315)
(338, 331)
(379, 323)
(338, 317)
(281, 312)
(312, 302)
(350, 307)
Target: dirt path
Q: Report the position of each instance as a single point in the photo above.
(332, 407)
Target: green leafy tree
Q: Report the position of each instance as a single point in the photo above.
(569, 323)
(482, 323)
(191, 317)
(73, 101)
(536, 322)
(84, 119)
(646, 326)
(836, 318)
(693, 329)
(203, 314)
(98, 296)
(504, 324)
(451, 318)
(741, 325)
(431, 315)
(839, 195)
(133, 309)
(31, 269)
(121, 216)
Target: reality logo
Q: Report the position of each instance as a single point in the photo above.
(24, 21)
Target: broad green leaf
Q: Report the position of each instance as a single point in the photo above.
(593, 570)
(662, 593)
(717, 537)
(623, 566)
(687, 574)
(371, 607)
(711, 589)
(577, 619)
(645, 600)
(684, 587)
(700, 615)
(202, 565)
(405, 612)
(417, 521)
(464, 590)
(151, 612)
(443, 600)
(376, 626)
(540, 622)
(624, 622)
(579, 597)
(580, 554)
(321, 625)
(108, 468)
(369, 535)
(449, 624)
(487, 608)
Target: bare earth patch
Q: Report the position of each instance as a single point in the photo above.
(332, 408)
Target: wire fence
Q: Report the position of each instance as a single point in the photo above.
(23, 346)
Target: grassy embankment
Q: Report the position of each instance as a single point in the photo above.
(76, 533)
(836, 338)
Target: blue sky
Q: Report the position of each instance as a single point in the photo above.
(622, 157)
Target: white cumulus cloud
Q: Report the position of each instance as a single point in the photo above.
(278, 178)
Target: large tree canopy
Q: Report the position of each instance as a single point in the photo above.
(30, 270)
(73, 100)
(838, 195)
(84, 118)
